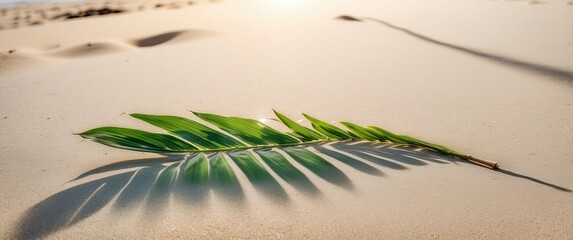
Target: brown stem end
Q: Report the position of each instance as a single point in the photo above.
(486, 163)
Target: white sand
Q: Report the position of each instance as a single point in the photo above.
(242, 58)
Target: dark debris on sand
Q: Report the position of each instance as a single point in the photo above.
(348, 18)
(88, 13)
(15, 17)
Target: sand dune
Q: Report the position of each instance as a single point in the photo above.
(90, 49)
(13, 60)
(16, 59)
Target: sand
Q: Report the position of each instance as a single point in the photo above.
(493, 79)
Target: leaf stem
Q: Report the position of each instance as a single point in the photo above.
(491, 164)
(257, 146)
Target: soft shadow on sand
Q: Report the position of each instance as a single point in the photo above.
(90, 49)
(21, 57)
(549, 71)
(183, 35)
(151, 183)
(535, 180)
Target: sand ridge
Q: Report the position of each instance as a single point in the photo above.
(14, 59)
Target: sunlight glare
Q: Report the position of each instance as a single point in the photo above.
(286, 3)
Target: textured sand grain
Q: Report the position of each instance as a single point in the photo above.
(297, 58)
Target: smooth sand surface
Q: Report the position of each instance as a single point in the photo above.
(493, 79)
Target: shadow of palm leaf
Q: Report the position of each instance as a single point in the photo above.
(153, 183)
(287, 171)
(362, 153)
(69, 206)
(319, 166)
(351, 162)
(127, 185)
(258, 176)
(549, 71)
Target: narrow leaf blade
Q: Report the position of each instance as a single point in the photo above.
(167, 177)
(252, 168)
(305, 134)
(279, 164)
(221, 171)
(328, 129)
(436, 147)
(250, 131)
(319, 166)
(192, 131)
(384, 135)
(197, 169)
(133, 139)
(309, 159)
(360, 132)
(411, 140)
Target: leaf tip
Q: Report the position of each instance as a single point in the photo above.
(135, 115)
(278, 114)
(82, 134)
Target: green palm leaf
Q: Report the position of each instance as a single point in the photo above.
(200, 135)
(197, 169)
(250, 131)
(137, 140)
(187, 136)
(327, 129)
(305, 134)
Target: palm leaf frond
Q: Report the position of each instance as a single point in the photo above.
(188, 137)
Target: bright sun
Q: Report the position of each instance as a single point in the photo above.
(286, 3)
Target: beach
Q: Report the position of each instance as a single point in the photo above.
(493, 79)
